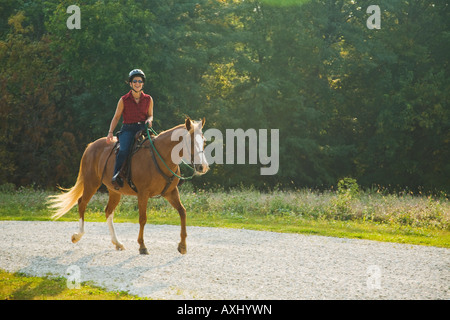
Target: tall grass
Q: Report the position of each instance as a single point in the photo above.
(343, 204)
(402, 209)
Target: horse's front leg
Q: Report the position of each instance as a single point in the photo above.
(113, 201)
(174, 199)
(142, 204)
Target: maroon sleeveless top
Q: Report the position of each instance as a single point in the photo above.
(135, 112)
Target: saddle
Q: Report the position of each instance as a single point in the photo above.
(125, 171)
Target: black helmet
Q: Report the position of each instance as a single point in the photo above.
(135, 73)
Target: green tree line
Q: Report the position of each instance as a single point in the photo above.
(349, 101)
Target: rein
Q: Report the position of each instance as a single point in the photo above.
(165, 164)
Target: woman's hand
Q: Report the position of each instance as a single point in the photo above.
(148, 122)
(109, 138)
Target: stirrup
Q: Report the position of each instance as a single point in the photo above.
(117, 181)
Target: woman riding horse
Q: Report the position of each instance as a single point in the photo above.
(154, 175)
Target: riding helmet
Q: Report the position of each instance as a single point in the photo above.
(135, 73)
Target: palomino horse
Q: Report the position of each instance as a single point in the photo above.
(97, 165)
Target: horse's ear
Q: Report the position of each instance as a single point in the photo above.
(203, 122)
(188, 123)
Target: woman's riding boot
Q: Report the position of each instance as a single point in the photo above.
(117, 181)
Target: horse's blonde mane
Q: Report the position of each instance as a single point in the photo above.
(195, 124)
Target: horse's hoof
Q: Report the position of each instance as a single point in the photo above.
(120, 247)
(76, 237)
(143, 251)
(182, 249)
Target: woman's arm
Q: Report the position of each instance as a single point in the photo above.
(115, 121)
(150, 113)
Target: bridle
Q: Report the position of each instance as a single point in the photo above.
(192, 166)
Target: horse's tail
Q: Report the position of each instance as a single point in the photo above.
(62, 203)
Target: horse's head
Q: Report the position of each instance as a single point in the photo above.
(196, 145)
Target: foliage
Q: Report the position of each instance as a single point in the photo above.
(348, 186)
(347, 192)
(348, 101)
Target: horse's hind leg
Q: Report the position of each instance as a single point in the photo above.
(82, 204)
(88, 192)
(77, 235)
(113, 201)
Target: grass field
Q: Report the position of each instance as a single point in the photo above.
(21, 287)
(346, 212)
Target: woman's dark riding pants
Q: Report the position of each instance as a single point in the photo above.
(126, 139)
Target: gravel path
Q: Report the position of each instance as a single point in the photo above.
(227, 263)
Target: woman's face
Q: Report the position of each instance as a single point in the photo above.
(137, 84)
